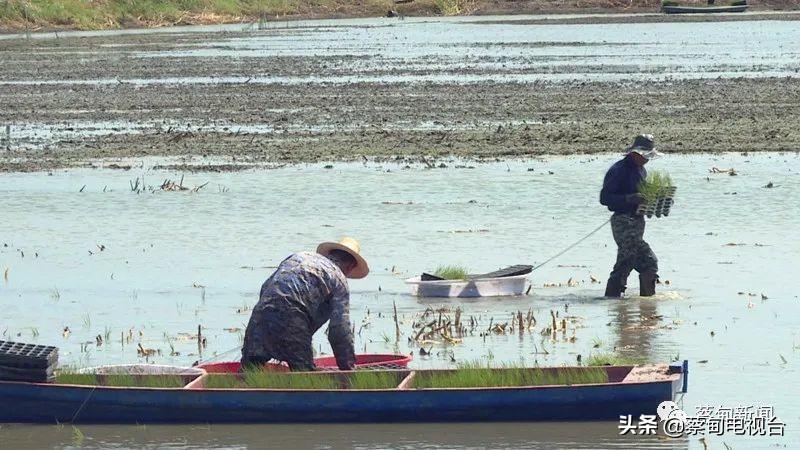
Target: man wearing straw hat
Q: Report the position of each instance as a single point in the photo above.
(306, 291)
(620, 194)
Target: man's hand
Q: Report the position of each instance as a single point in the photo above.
(635, 199)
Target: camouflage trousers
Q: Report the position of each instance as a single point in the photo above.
(273, 333)
(632, 251)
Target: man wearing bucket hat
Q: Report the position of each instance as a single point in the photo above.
(306, 291)
(620, 194)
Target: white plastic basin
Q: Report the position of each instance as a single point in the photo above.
(481, 287)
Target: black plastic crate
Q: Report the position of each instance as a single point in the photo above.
(29, 375)
(27, 356)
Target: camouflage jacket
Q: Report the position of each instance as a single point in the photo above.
(313, 285)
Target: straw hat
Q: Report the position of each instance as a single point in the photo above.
(349, 245)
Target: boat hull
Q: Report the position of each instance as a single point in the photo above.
(703, 9)
(49, 403)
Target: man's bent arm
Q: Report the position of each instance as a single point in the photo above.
(340, 332)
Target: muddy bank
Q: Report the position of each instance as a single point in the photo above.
(349, 122)
(232, 100)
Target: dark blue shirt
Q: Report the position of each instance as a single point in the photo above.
(622, 179)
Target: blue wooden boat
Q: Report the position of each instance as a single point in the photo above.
(631, 390)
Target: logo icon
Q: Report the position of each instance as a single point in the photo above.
(673, 417)
(669, 410)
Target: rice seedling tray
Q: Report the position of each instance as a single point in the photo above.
(27, 362)
(660, 206)
(30, 375)
(21, 355)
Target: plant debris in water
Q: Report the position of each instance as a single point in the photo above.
(657, 184)
(451, 272)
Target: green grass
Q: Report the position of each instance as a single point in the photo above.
(657, 184)
(611, 359)
(151, 381)
(473, 376)
(451, 272)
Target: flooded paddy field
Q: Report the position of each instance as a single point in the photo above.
(343, 90)
(97, 269)
(432, 141)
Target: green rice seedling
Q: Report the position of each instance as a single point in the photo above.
(611, 359)
(473, 377)
(451, 272)
(223, 381)
(262, 379)
(369, 379)
(656, 184)
(120, 380)
(82, 379)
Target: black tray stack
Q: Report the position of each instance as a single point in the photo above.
(27, 362)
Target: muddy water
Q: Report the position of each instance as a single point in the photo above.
(171, 261)
(441, 51)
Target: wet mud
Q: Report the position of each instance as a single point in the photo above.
(292, 96)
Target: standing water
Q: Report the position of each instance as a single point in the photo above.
(96, 268)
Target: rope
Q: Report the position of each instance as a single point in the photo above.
(573, 245)
(78, 411)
